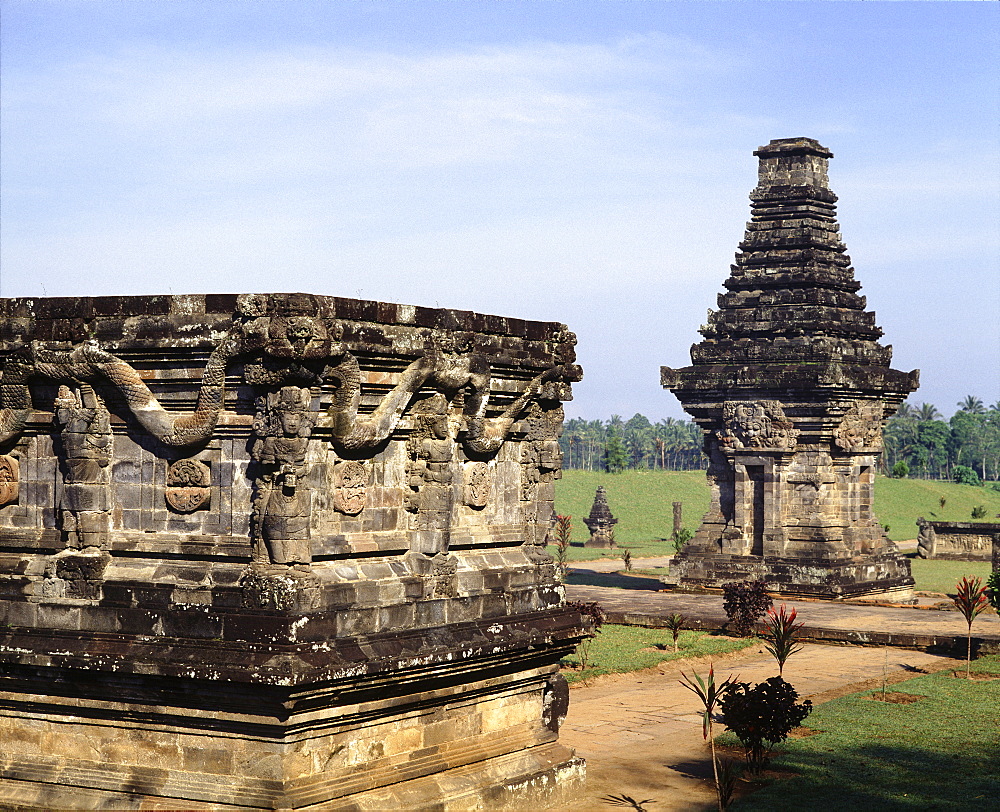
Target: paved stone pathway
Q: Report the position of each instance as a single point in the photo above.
(642, 734)
(638, 600)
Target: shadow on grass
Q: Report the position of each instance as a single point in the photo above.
(887, 778)
(614, 579)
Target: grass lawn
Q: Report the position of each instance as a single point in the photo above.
(642, 503)
(941, 752)
(933, 575)
(620, 649)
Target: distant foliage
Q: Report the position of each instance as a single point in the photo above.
(762, 716)
(900, 470)
(745, 603)
(932, 447)
(636, 444)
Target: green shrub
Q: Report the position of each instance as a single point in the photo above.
(979, 512)
(762, 716)
(964, 475)
(681, 537)
(993, 589)
(745, 603)
(900, 470)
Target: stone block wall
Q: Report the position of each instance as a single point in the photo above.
(957, 541)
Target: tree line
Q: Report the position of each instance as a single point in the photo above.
(918, 436)
(920, 442)
(618, 445)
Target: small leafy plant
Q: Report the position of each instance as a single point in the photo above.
(993, 589)
(745, 603)
(710, 694)
(681, 537)
(627, 800)
(627, 559)
(971, 601)
(593, 611)
(762, 716)
(675, 622)
(564, 532)
(979, 512)
(782, 635)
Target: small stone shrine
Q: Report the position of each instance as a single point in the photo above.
(791, 390)
(600, 522)
(280, 551)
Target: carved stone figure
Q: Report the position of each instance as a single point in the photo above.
(85, 428)
(478, 484)
(861, 426)
(9, 479)
(350, 487)
(760, 424)
(283, 500)
(188, 483)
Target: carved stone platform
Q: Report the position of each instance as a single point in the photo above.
(791, 390)
(280, 551)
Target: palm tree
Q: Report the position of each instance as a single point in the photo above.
(928, 411)
(972, 404)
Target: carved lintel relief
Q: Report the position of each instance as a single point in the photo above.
(282, 501)
(756, 424)
(478, 484)
(817, 480)
(861, 427)
(85, 429)
(9, 479)
(350, 487)
(188, 483)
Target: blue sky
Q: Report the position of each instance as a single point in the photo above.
(569, 161)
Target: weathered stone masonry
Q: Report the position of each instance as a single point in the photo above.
(284, 550)
(791, 390)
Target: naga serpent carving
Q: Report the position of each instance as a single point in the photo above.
(298, 350)
(88, 362)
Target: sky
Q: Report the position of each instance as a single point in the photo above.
(581, 162)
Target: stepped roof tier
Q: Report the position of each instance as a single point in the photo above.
(792, 315)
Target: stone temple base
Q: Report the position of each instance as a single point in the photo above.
(875, 577)
(450, 719)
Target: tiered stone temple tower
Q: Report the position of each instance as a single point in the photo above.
(600, 522)
(791, 390)
(280, 551)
